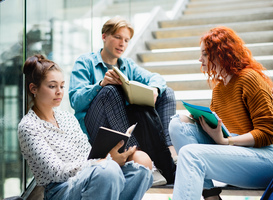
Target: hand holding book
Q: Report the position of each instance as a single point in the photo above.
(136, 92)
(107, 139)
(121, 158)
(215, 133)
(211, 118)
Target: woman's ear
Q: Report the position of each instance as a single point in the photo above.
(32, 88)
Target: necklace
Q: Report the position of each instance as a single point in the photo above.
(43, 117)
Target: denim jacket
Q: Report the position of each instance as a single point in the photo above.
(88, 72)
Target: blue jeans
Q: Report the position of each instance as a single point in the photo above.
(105, 181)
(200, 160)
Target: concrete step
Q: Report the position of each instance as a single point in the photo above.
(195, 81)
(186, 31)
(192, 66)
(212, 3)
(204, 7)
(258, 49)
(198, 97)
(135, 7)
(220, 17)
(248, 37)
(184, 82)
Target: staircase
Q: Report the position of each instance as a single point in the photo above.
(174, 50)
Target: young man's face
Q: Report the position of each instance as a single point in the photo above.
(116, 44)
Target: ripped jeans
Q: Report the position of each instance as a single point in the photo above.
(200, 161)
(104, 181)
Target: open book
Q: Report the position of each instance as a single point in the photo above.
(136, 92)
(106, 139)
(210, 117)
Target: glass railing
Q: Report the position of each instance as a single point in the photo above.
(62, 30)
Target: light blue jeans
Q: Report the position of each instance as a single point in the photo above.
(200, 160)
(105, 181)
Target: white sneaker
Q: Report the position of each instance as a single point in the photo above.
(158, 178)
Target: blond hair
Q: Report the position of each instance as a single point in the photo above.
(113, 24)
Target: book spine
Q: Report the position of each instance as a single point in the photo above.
(224, 128)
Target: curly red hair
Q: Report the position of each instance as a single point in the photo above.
(233, 56)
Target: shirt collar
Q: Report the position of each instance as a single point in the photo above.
(45, 123)
(98, 60)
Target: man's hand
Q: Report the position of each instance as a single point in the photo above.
(155, 90)
(121, 158)
(111, 77)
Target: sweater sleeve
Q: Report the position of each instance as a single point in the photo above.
(257, 97)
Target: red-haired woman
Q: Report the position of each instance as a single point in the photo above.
(242, 98)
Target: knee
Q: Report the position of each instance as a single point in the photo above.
(169, 94)
(111, 90)
(109, 172)
(176, 122)
(190, 153)
(174, 126)
(142, 158)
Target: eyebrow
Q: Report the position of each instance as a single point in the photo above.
(53, 81)
(116, 34)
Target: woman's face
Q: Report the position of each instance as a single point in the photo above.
(204, 60)
(51, 90)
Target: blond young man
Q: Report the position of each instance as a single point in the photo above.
(95, 93)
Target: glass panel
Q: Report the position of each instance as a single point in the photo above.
(62, 30)
(11, 96)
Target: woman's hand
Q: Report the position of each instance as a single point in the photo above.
(216, 134)
(121, 158)
(110, 77)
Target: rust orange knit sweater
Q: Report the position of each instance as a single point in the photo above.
(245, 105)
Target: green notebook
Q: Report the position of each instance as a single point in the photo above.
(210, 117)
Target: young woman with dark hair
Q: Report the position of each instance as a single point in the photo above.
(56, 149)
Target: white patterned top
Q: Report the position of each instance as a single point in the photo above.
(53, 154)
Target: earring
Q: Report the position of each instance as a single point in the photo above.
(34, 95)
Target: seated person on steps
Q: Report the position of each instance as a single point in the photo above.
(56, 149)
(91, 92)
(242, 98)
(95, 92)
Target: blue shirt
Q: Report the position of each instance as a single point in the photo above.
(88, 72)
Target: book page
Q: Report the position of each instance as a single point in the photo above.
(131, 129)
(136, 92)
(125, 83)
(141, 94)
(114, 131)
